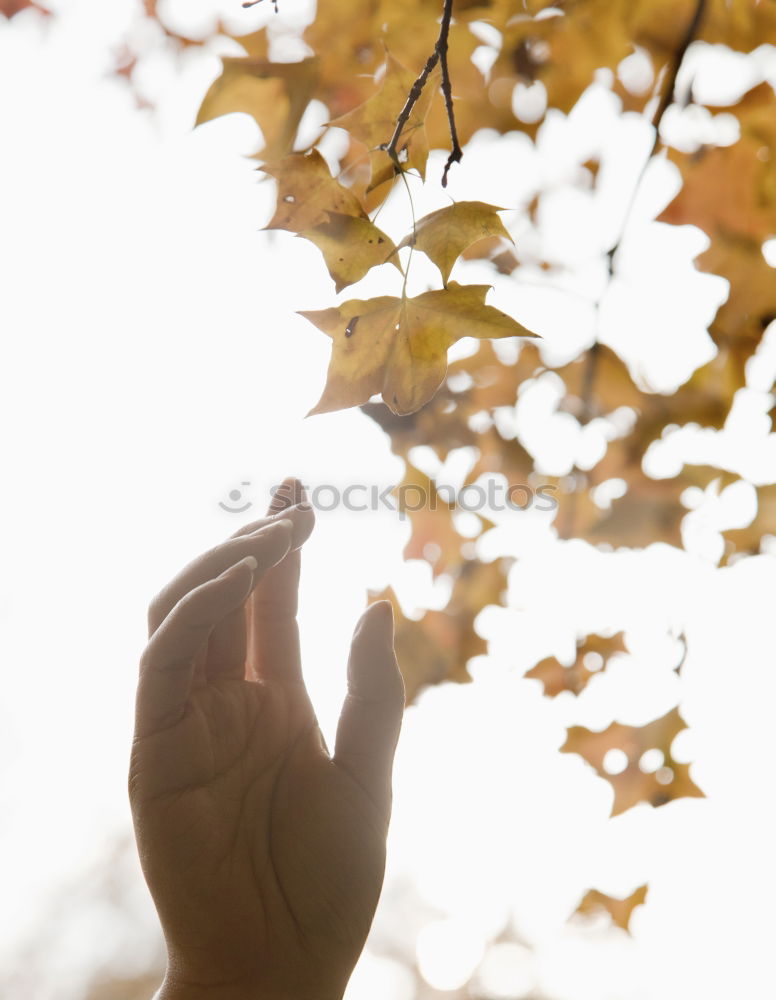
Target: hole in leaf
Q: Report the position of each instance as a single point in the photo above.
(651, 761)
(592, 661)
(615, 761)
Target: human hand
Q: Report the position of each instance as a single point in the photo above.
(264, 854)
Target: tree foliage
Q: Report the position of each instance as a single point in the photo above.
(380, 71)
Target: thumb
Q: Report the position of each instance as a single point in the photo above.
(371, 716)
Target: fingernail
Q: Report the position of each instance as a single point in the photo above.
(250, 562)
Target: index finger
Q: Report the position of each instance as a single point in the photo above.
(167, 665)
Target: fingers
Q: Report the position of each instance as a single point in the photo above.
(273, 635)
(261, 540)
(290, 493)
(228, 646)
(167, 665)
(371, 717)
(300, 513)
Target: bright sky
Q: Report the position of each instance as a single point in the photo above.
(157, 364)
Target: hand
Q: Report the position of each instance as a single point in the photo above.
(264, 854)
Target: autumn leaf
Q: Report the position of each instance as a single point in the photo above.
(620, 910)
(275, 95)
(593, 652)
(307, 193)
(730, 193)
(398, 346)
(374, 121)
(434, 537)
(438, 646)
(350, 247)
(634, 784)
(749, 539)
(428, 650)
(445, 234)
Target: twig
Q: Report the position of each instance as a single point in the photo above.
(252, 3)
(588, 382)
(441, 47)
(666, 101)
(439, 55)
(668, 94)
(415, 91)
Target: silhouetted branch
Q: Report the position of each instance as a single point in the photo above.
(439, 55)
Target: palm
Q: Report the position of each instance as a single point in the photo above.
(264, 854)
(263, 826)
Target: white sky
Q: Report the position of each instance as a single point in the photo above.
(156, 363)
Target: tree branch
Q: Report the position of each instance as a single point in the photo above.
(439, 55)
(666, 100)
(441, 47)
(252, 3)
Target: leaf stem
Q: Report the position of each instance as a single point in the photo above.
(414, 234)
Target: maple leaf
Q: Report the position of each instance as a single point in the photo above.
(438, 646)
(633, 785)
(275, 95)
(374, 121)
(444, 235)
(620, 910)
(432, 521)
(350, 247)
(308, 194)
(429, 650)
(750, 538)
(557, 677)
(730, 193)
(398, 346)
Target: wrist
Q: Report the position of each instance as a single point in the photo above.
(175, 988)
(181, 987)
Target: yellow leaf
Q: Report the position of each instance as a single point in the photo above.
(558, 677)
(350, 247)
(398, 346)
(619, 909)
(438, 646)
(307, 193)
(445, 234)
(633, 784)
(373, 122)
(275, 95)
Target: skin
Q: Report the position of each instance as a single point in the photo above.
(264, 854)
